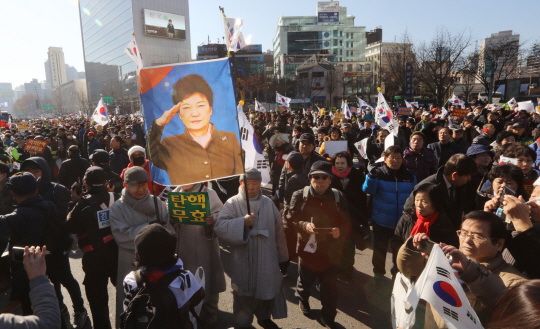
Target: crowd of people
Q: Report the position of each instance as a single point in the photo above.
(461, 182)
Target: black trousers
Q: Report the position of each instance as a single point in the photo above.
(20, 287)
(59, 272)
(381, 237)
(328, 282)
(99, 267)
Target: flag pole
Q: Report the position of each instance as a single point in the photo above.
(233, 77)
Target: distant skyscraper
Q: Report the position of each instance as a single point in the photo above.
(48, 74)
(57, 66)
(6, 96)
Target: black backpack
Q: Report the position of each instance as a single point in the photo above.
(56, 237)
(155, 306)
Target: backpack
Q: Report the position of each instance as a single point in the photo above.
(155, 306)
(305, 195)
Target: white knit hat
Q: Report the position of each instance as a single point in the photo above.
(135, 149)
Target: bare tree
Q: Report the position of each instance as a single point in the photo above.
(334, 82)
(83, 104)
(394, 63)
(437, 59)
(26, 106)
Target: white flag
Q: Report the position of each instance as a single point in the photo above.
(232, 32)
(241, 43)
(101, 115)
(411, 104)
(303, 111)
(512, 102)
(253, 153)
(345, 109)
(456, 101)
(259, 107)
(282, 100)
(362, 103)
(444, 112)
(133, 52)
(439, 286)
(384, 116)
(361, 146)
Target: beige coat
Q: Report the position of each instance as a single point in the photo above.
(485, 283)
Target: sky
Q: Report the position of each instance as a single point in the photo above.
(29, 27)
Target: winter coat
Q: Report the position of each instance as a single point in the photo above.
(56, 193)
(441, 230)
(306, 167)
(256, 251)
(92, 146)
(72, 170)
(206, 254)
(535, 147)
(525, 248)
(453, 210)
(355, 196)
(325, 212)
(119, 160)
(295, 181)
(389, 190)
(483, 139)
(444, 152)
(44, 306)
(421, 165)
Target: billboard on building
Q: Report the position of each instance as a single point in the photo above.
(166, 25)
(328, 12)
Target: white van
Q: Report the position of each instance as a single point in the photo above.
(496, 98)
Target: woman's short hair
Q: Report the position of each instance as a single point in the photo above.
(518, 307)
(335, 130)
(343, 154)
(391, 150)
(516, 150)
(507, 170)
(189, 85)
(505, 134)
(431, 190)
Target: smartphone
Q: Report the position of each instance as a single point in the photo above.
(17, 254)
(426, 246)
(323, 230)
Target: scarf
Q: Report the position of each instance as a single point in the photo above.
(343, 174)
(423, 223)
(144, 205)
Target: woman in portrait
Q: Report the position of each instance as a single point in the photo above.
(201, 152)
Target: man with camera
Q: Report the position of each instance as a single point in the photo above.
(89, 219)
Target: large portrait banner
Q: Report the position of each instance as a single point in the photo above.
(190, 120)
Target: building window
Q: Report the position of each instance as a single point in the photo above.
(352, 45)
(341, 34)
(317, 74)
(368, 67)
(347, 53)
(347, 36)
(335, 42)
(346, 45)
(341, 43)
(341, 52)
(349, 67)
(335, 33)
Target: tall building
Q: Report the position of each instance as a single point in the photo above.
(57, 66)
(308, 35)
(71, 73)
(379, 53)
(6, 96)
(500, 39)
(33, 87)
(70, 97)
(106, 28)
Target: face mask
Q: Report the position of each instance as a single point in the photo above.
(138, 160)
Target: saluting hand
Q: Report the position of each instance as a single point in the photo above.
(167, 116)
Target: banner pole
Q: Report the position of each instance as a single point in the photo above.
(233, 77)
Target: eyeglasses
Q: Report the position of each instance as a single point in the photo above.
(476, 238)
(317, 177)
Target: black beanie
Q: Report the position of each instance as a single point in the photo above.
(155, 246)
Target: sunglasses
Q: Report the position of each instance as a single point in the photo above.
(317, 177)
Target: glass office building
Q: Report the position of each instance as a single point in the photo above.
(107, 27)
(305, 36)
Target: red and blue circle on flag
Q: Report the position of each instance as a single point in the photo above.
(447, 293)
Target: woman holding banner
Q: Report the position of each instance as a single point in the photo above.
(202, 152)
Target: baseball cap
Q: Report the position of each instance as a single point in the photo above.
(91, 134)
(321, 167)
(517, 125)
(100, 157)
(295, 159)
(306, 137)
(22, 183)
(95, 176)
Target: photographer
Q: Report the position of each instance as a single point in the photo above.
(89, 219)
(42, 295)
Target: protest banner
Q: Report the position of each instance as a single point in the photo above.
(35, 146)
(188, 208)
(189, 139)
(333, 147)
(22, 127)
(338, 116)
(460, 113)
(404, 111)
